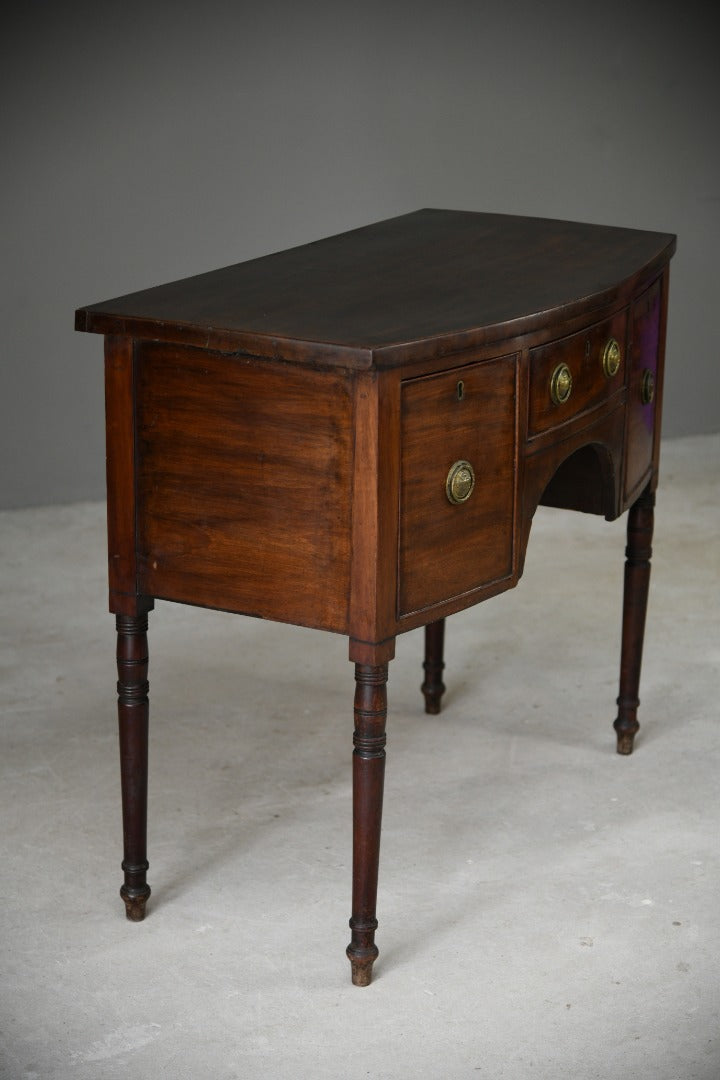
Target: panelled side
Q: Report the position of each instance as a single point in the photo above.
(244, 485)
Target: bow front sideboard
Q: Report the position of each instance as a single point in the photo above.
(354, 435)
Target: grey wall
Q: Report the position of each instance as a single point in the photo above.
(146, 142)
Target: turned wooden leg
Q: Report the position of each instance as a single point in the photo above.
(637, 582)
(368, 777)
(433, 687)
(132, 665)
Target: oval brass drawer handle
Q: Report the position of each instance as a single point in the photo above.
(611, 358)
(561, 384)
(647, 390)
(460, 482)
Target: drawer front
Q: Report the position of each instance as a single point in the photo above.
(643, 388)
(456, 538)
(576, 373)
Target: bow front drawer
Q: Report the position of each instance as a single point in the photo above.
(574, 374)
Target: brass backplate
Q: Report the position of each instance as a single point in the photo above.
(460, 482)
(561, 384)
(611, 357)
(647, 391)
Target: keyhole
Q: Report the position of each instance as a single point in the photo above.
(460, 390)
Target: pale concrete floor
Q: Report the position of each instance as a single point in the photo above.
(547, 908)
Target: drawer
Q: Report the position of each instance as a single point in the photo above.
(576, 373)
(643, 388)
(456, 538)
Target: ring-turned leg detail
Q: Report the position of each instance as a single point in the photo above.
(433, 687)
(637, 582)
(368, 781)
(133, 708)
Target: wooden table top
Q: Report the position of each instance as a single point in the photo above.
(404, 288)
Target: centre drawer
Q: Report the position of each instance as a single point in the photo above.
(574, 374)
(457, 495)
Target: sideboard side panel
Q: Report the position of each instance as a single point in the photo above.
(244, 480)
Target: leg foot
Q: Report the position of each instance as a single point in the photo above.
(625, 739)
(135, 903)
(361, 966)
(637, 583)
(368, 782)
(433, 687)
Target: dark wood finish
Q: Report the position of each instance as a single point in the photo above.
(374, 518)
(584, 481)
(433, 686)
(412, 287)
(125, 597)
(280, 434)
(637, 583)
(643, 418)
(583, 355)
(132, 665)
(450, 550)
(581, 471)
(368, 781)
(243, 485)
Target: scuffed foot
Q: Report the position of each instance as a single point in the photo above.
(135, 904)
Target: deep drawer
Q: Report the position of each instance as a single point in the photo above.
(456, 538)
(643, 388)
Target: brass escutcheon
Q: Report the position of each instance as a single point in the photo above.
(647, 391)
(611, 358)
(561, 384)
(460, 482)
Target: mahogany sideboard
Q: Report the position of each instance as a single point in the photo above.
(354, 435)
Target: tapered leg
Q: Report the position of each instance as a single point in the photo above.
(433, 687)
(368, 777)
(637, 582)
(132, 665)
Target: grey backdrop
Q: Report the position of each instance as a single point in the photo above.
(146, 142)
